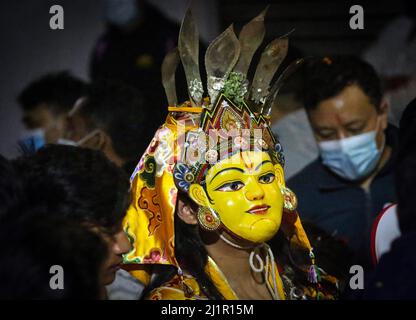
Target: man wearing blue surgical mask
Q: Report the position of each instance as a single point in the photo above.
(45, 103)
(352, 179)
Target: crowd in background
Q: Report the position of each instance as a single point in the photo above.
(349, 142)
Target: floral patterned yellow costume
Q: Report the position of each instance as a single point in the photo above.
(218, 151)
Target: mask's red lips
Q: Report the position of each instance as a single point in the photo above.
(262, 209)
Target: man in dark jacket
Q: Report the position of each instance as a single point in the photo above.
(352, 180)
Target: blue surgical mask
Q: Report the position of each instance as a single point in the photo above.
(32, 141)
(351, 158)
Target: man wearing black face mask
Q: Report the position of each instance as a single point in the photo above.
(343, 190)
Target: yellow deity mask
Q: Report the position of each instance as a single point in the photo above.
(245, 191)
(216, 148)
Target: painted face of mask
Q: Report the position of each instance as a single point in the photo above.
(245, 191)
(351, 158)
(32, 141)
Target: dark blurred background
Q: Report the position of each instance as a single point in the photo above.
(321, 26)
(30, 48)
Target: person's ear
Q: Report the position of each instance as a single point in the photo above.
(280, 175)
(186, 213)
(384, 113)
(198, 195)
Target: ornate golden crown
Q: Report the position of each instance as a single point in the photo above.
(236, 113)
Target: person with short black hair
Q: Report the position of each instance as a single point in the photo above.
(82, 186)
(352, 179)
(50, 257)
(45, 103)
(327, 77)
(115, 119)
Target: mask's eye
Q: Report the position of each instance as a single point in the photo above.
(231, 186)
(267, 178)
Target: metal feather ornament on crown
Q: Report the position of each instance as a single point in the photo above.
(235, 116)
(231, 107)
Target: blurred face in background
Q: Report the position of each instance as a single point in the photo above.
(43, 126)
(347, 114)
(42, 117)
(350, 132)
(117, 244)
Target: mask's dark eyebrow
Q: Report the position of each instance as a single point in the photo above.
(226, 169)
(264, 162)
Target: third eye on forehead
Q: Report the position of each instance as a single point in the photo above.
(241, 169)
(251, 162)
